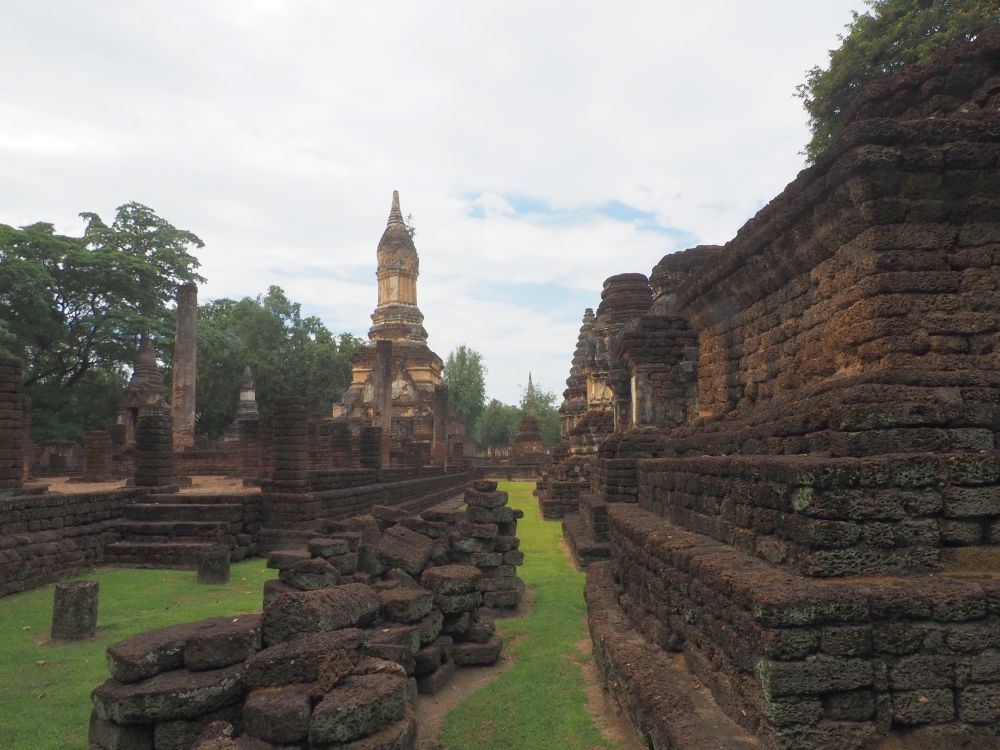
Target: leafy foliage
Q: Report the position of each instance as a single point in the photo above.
(289, 355)
(73, 308)
(541, 404)
(893, 33)
(465, 376)
(497, 425)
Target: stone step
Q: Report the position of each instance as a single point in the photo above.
(183, 512)
(176, 498)
(177, 555)
(167, 531)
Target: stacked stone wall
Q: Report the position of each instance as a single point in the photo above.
(45, 537)
(811, 663)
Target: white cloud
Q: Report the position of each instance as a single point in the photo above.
(277, 130)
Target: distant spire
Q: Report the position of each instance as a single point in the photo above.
(247, 378)
(531, 388)
(395, 215)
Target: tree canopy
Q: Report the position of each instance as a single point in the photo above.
(72, 309)
(891, 34)
(290, 355)
(497, 425)
(465, 376)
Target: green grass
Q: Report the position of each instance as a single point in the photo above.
(45, 686)
(539, 703)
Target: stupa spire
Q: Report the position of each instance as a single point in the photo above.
(395, 215)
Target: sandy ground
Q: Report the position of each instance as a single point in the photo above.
(199, 484)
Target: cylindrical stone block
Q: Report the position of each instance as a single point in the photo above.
(154, 456)
(74, 610)
(213, 566)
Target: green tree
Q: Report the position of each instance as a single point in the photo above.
(465, 376)
(73, 308)
(893, 33)
(497, 425)
(290, 355)
(541, 404)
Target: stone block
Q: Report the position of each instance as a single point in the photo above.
(213, 566)
(294, 614)
(74, 610)
(180, 694)
(402, 548)
(278, 714)
(360, 706)
(300, 659)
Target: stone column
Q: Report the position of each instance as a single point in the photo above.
(185, 364)
(11, 424)
(154, 457)
(290, 446)
(97, 452)
(383, 396)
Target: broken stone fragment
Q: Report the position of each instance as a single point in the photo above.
(179, 694)
(451, 579)
(147, 654)
(300, 659)
(221, 642)
(360, 706)
(310, 575)
(329, 546)
(405, 604)
(278, 714)
(294, 614)
(402, 548)
(488, 500)
(477, 654)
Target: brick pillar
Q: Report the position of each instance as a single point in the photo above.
(250, 448)
(154, 456)
(11, 424)
(371, 447)
(439, 446)
(290, 446)
(340, 444)
(185, 366)
(97, 452)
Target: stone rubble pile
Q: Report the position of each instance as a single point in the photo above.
(376, 609)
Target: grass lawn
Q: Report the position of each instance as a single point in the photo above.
(45, 686)
(539, 703)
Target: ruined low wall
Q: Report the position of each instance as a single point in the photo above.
(287, 516)
(208, 461)
(810, 663)
(45, 537)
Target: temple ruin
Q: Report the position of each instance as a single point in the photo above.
(786, 470)
(396, 379)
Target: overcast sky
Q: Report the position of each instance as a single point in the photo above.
(540, 146)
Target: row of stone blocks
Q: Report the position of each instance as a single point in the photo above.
(379, 608)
